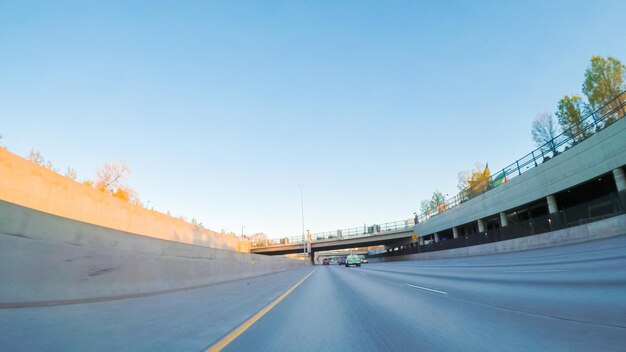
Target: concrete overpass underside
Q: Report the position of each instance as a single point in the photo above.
(338, 243)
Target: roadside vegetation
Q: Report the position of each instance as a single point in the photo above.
(602, 89)
(111, 178)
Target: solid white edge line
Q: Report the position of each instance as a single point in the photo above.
(428, 289)
(533, 271)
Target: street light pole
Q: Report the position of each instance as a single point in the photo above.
(302, 208)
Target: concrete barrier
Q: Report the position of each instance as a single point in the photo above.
(47, 259)
(30, 185)
(606, 228)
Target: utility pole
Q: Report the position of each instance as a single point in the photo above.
(302, 208)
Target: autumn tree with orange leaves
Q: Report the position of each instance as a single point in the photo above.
(474, 182)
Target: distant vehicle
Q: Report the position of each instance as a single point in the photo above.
(341, 261)
(326, 261)
(364, 261)
(353, 259)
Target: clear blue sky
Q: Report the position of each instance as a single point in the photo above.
(222, 108)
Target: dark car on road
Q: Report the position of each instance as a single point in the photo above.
(326, 261)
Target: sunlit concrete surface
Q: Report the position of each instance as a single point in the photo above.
(568, 298)
(29, 185)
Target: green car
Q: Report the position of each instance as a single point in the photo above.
(353, 259)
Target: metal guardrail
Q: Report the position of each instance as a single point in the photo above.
(591, 123)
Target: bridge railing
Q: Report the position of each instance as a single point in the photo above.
(353, 232)
(363, 231)
(590, 123)
(277, 241)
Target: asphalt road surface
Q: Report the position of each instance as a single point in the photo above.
(570, 298)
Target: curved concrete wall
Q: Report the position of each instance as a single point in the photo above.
(599, 154)
(47, 259)
(28, 184)
(611, 227)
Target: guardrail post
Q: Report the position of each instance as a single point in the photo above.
(519, 172)
(534, 160)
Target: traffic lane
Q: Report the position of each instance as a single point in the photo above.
(592, 303)
(187, 320)
(480, 326)
(579, 289)
(323, 314)
(368, 313)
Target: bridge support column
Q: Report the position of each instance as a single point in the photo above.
(552, 206)
(620, 182)
(455, 232)
(481, 225)
(553, 209)
(504, 220)
(436, 237)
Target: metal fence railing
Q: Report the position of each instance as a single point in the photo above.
(591, 123)
(354, 232)
(363, 231)
(277, 241)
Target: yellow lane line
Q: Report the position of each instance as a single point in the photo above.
(243, 327)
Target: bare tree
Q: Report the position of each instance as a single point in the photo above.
(544, 132)
(36, 157)
(71, 173)
(50, 166)
(111, 176)
(259, 238)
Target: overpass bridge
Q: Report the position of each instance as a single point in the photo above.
(379, 234)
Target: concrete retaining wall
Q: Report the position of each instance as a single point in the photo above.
(599, 154)
(46, 259)
(610, 227)
(28, 184)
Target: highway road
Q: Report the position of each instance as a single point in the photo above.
(570, 298)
